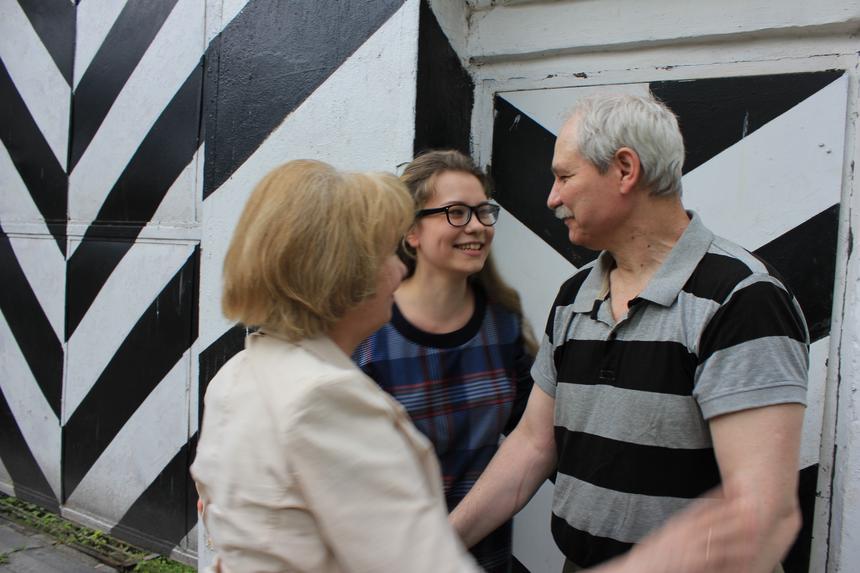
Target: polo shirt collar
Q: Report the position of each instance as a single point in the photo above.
(670, 278)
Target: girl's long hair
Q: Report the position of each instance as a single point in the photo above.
(420, 178)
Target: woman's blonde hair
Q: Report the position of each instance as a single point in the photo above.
(309, 246)
(420, 177)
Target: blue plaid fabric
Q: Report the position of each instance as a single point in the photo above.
(463, 390)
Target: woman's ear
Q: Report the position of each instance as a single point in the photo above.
(411, 237)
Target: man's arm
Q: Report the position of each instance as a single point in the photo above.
(757, 451)
(525, 459)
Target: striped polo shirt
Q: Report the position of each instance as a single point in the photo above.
(715, 331)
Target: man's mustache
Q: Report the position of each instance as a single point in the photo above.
(562, 212)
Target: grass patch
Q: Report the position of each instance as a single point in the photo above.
(118, 554)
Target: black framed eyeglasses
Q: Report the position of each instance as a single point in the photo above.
(459, 214)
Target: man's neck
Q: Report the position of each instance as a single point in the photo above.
(648, 236)
(642, 247)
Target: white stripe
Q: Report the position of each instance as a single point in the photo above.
(349, 139)
(94, 20)
(131, 288)
(37, 78)
(776, 178)
(530, 266)
(813, 418)
(219, 13)
(143, 98)
(6, 485)
(32, 413)
(38, 254)
(550, 108)
(45, 269)
(140, 451)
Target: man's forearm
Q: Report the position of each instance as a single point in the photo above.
(517, 470)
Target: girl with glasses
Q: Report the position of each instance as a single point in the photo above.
(456, 352)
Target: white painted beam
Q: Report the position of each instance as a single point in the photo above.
(532, 30)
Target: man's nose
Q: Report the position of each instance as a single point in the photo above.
(553, 200)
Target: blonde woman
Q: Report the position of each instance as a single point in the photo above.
(456, 352)
(305, 464)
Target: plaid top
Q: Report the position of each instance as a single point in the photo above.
(462, 390)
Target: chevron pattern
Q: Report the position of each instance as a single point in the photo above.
(753, 143)
(128, 149)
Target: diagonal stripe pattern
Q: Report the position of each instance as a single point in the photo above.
(159, 338)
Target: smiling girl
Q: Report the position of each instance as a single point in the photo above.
(456, 352)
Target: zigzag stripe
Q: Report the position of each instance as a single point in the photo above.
(129, 37)
(166, 151)
(275, 86)
(522, 154)
(716, 113)
(173, 508)
(806, 257)
(159, 338)
(29, 324)
(20, 463)
(33, 158)
(54, 22)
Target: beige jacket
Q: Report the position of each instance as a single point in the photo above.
(305, 464)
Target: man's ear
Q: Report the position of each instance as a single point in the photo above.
(629, 168)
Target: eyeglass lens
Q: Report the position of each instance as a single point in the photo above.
(459, 215)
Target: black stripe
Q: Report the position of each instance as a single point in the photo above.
(806, 258)
(650, 366)
(760, 310)
(154, 345)
(797, 560)
(28, 480)
(54, 22)
(267, 61)
(716, 113)
(517, 566)
(36, 164)
(445, 91)
(31, 328)
(566, 295)
(123, 47)
(215, 356)
(166, 511)
(522, 156)
(588, 550)
(634, 468)
(716, 276)
(165, 152)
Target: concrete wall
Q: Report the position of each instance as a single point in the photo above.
(767, 96)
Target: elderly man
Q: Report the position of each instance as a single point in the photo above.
(673, 363)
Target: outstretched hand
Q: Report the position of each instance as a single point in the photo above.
(712, 535)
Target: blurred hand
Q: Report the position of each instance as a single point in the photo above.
(712, 535)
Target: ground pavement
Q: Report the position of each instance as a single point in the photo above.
(24, 550)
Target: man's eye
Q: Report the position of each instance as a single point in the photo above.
(457, 212)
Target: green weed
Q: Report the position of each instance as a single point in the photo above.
(118, 554)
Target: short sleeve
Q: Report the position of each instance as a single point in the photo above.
(522, 371)
(361, 472)
(754, 351)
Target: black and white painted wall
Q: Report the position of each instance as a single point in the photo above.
(767, 100)
(132, 131)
